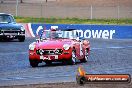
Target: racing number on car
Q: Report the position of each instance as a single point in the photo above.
(49, 57)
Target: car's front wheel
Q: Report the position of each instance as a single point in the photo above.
(73, 58)
(33, 63)
(85, 59)
(21, 39)
(0, 39)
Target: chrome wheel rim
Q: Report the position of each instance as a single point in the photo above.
(86, 55)
(73, 57)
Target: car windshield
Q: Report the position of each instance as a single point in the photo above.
(59, 34)
(6, 19)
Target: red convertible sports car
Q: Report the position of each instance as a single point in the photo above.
(59, 45)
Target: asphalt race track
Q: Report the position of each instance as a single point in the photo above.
(107, 56)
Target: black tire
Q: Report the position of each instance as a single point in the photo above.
(0, 40)
(48, 62)
(33, 63)
(64, 62)
(86, 57)
(21, 39)
(73, 58)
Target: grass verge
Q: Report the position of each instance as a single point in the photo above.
(72, 20)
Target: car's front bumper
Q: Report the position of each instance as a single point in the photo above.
(11, 34)
(66, 55)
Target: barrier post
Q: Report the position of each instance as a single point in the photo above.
(118, 11)
(16, 7)
(91, 12)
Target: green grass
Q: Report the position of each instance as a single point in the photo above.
(53, 20)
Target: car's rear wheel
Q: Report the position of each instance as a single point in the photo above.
(85, 59)
(73, 58)
(33, 63)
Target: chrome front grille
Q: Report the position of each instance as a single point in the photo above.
(10, 31)
(49, 52)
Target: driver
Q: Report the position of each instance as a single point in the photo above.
(54, 34)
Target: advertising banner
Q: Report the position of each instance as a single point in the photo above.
(85, 30)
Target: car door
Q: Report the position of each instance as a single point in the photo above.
(79, 49)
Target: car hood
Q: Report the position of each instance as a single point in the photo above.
(53, 44)
(12, 26)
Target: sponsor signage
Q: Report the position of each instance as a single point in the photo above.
(86, 31)
(82, 77)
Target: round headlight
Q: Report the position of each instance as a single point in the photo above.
(31, 47)
(41, 51)
(57, 51)
(66, 46)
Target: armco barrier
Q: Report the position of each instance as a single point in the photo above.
(84, 30)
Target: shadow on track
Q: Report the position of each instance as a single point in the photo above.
(55, 64)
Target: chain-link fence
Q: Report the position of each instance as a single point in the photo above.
(52, 9)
